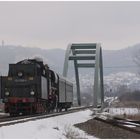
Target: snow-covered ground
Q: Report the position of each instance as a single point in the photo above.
(121, 111)
(131, 80)
(109, 100)
(112, 81)
(58, 127)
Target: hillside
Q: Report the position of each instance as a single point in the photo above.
(55, 58)
(117, 70)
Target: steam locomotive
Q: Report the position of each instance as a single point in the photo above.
(32, 87)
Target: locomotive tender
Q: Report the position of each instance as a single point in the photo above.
(32, 87)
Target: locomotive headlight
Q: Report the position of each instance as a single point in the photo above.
(7, 93)
(32, 93)
(20, 74)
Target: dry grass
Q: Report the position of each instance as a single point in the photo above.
(135, 117)
(71, 133)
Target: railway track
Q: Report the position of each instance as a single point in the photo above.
(129, 125)
(126, 125)
(21, 119)
(106, 126)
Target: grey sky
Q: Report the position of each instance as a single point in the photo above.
(55, 24)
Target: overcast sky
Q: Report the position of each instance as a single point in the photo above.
(115, 25)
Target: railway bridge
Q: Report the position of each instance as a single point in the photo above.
(87, 55)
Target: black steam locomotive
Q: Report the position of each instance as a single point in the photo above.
(32, 87)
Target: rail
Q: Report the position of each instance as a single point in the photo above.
(21, 119)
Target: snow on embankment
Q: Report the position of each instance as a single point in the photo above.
(121, 111)
(112, 81)
(55, 127)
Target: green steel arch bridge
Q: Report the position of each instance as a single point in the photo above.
(91, 53)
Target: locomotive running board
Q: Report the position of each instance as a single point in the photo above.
(89, 52)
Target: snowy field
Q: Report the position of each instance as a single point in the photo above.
(59, 127)
(121, 111)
